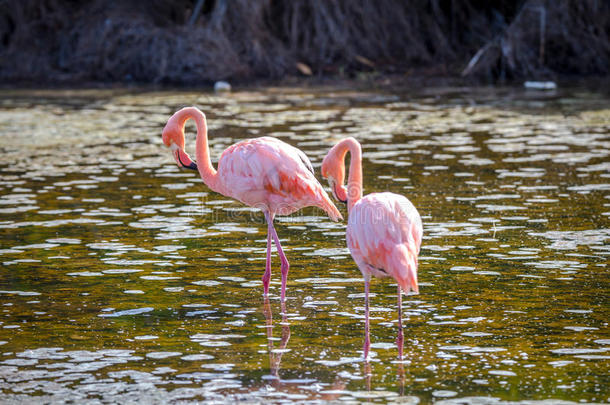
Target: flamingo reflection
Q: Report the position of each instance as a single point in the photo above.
(275, 358)
(400, 376)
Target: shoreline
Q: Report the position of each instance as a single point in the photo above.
(381, 82)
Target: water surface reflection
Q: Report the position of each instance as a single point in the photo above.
(124, 279)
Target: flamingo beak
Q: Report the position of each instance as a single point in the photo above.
(182, 158)
(343, 201)
(333, 184)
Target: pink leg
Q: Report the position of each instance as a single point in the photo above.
(283, 259)
(367, 339)
(267, 275)
(400, 338)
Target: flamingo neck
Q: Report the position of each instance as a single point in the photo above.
(354, 179)
(202, 150)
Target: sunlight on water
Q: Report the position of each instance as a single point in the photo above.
(125, 279)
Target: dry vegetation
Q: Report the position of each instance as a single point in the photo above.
(198, 41)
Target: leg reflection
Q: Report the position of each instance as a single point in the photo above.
(367, 374)
(401, 379)
(275, 355)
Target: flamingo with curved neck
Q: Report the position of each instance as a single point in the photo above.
(264, 173)
(333, 168)
(384, 230)
(173, 137)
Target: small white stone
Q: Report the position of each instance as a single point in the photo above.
(220, 87)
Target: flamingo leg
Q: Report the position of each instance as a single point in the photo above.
(267, 275)
(283, 259)
(367, 339)
(400, 338)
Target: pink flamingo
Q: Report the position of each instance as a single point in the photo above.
(264, 173)
(384, 230)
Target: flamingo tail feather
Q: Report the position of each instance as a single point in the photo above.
(406, 262)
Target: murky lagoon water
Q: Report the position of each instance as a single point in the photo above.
(125, 279)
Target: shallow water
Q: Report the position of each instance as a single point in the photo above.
(125, 279)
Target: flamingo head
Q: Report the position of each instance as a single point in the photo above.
(173, 138)
(333, 169)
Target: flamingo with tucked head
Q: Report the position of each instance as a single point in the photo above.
(384, 230)
(264, 173)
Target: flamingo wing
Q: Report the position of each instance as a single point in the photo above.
(270, 174)
(384, 235)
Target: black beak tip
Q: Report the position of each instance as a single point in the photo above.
(192, 165)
